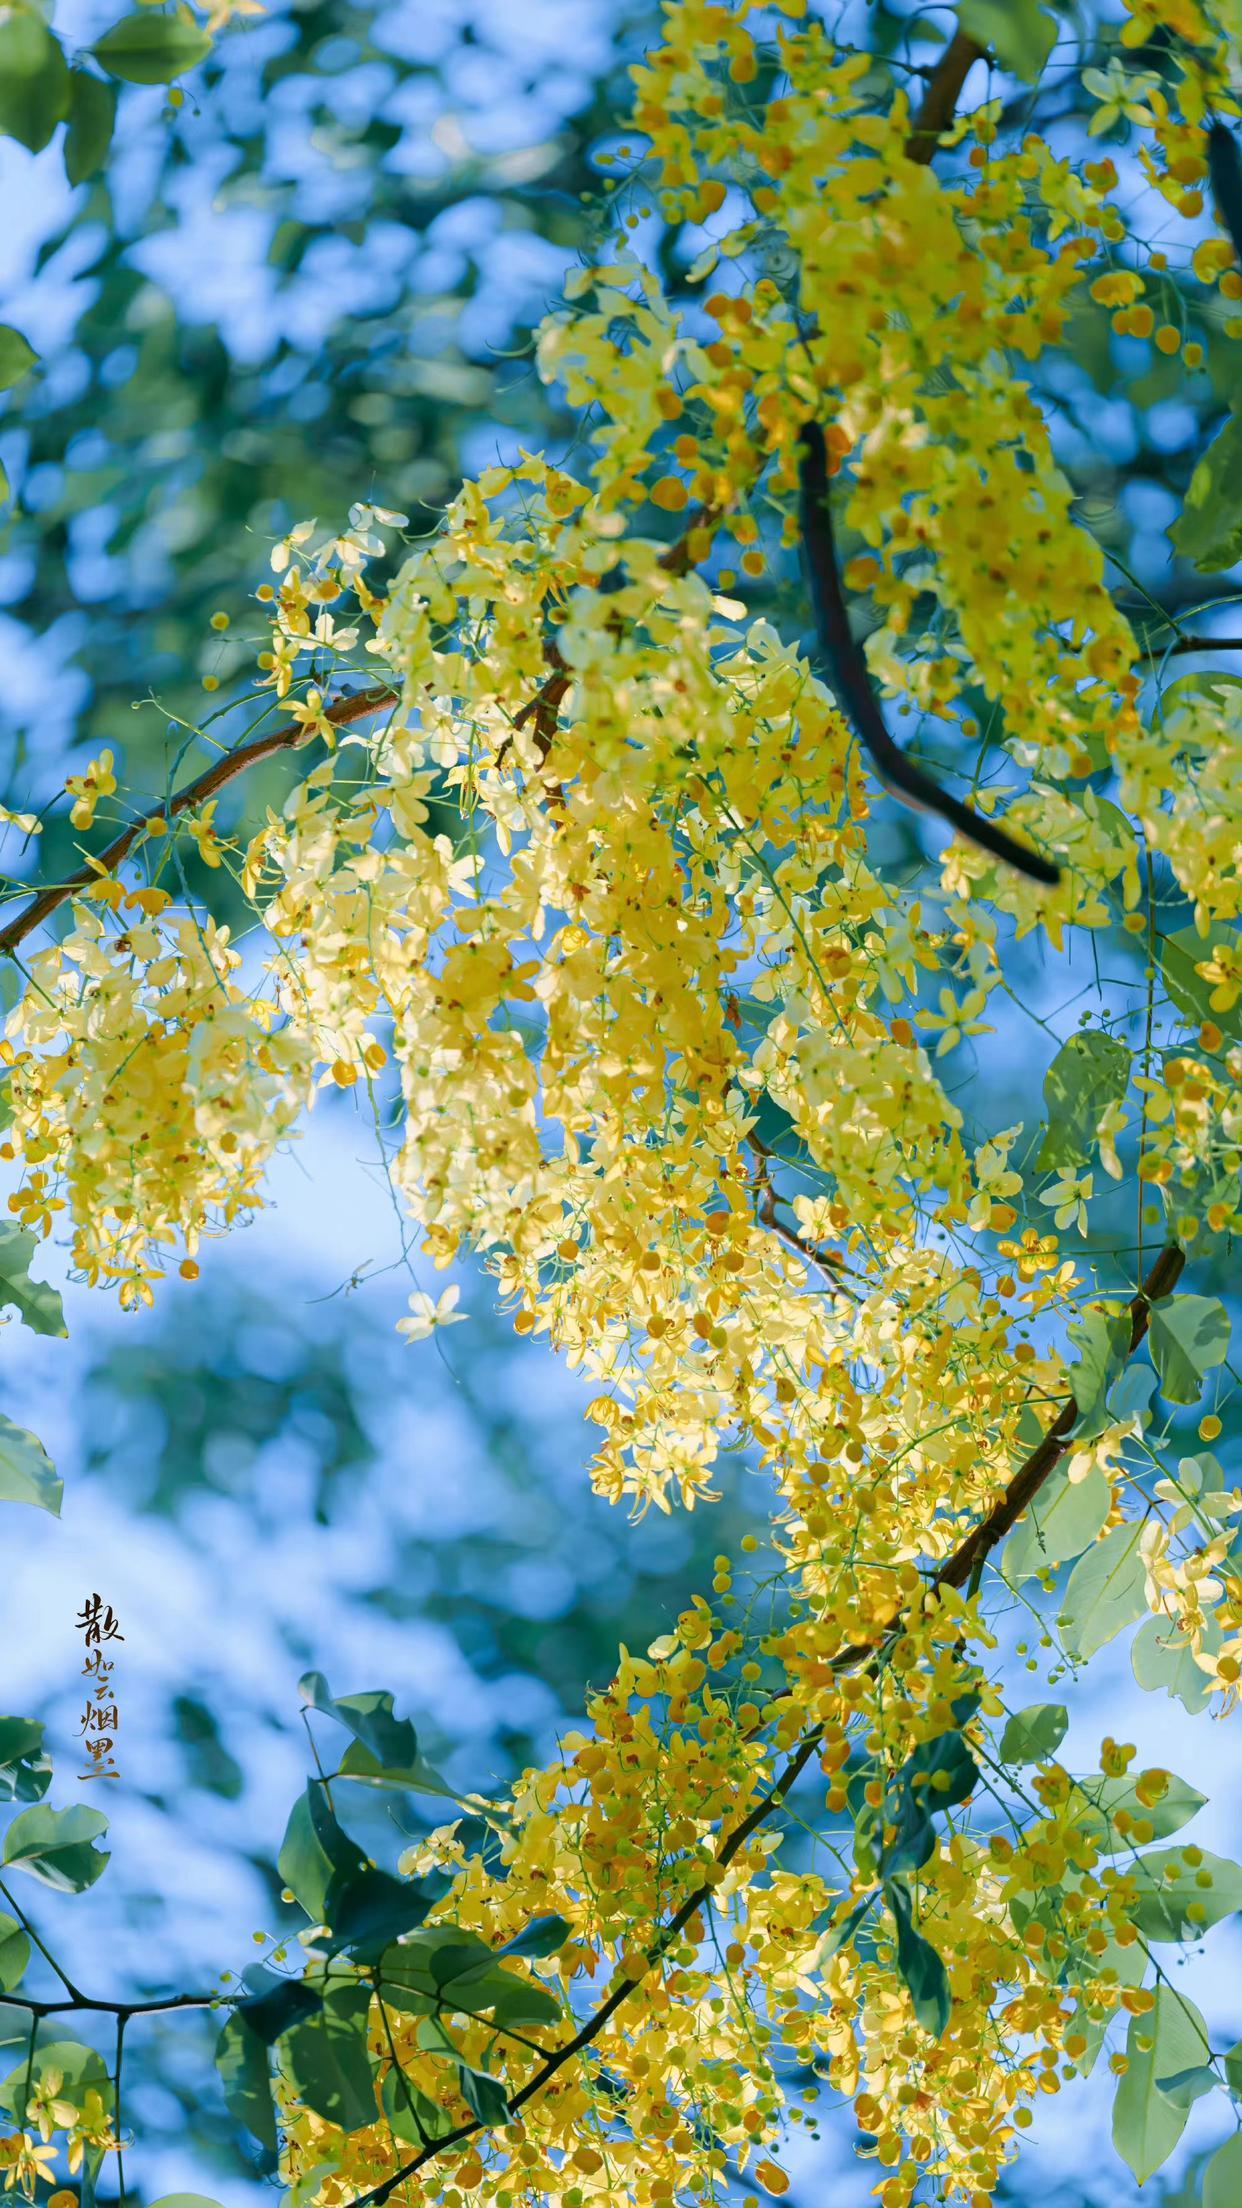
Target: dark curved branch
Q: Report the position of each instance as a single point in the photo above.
(1225, 174)
(848, 672)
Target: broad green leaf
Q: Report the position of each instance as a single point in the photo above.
(1102, 1339)
(1034, 1734)
(152, 49)
(1185, 2087)
(314, 1851)
(484, 2095)
(17, 358)
(1180, 957)
(92, 118)
(1158, 1661)
(413, 2117)
(1089, 1073)
(184, 2200)
(273, 2005)
(1208, 531)
(1188, 1335)
(418, 1777)
(327, 2062)
(1105, 1591)
(1180, 1901)
(1063, 1520)
(82, 2071)
(14, 1953)
(27, 1474)
(38, 1306)
(1233, 2069)
(1020, 33)
(1171, 2037)
(368, 1909)
(57, 1846)
(1222, 2179)
(921, 1968)
(369, 1717)
(541, 1937)
(241, 2060)
(1108, 1797)
(441, 1967)
(34, 81)
(25, 1765)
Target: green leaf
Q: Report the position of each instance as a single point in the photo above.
(368, 1909)
(1185, 2087)
(57, 1846)
(413, 2117)
(1180, 955)
(1063, 1520)
(1089, 1073)
(14, 1953)
(1222, 2179)
(417, 1777)
(1158, 1661)
(1233, 2069)
(327, 2062)
(82, 2071)
(27, 1474)
(392, 1740)
(34, 81)
(1109, 1797)
(922, 1971)
(1169, 1888)
(541, 1937)
(275, 2004)
(314, 1851)
(152, 49)
(38, 1306)
(1034, 1734)
(1188, 1336)
(1102, 1339)
(1106, 1590)
(184, 2200)
(442, 1967)
(1019, 33)
(92, 118)
(1171, 2037)
(484, 2095)
(17, 358)
(25, 1765)
(241, 2059)
(1208, 531)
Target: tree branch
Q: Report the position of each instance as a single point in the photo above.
(941, 96)
(346, 710)
(973, 1551)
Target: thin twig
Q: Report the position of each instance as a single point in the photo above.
(357, 707)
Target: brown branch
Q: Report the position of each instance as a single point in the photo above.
(216, 777)
(1030, 1476)
(978, 1545)
(941, 96)
(1191, 644)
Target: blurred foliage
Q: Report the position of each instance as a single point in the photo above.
(308, 285)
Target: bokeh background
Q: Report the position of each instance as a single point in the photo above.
(313, 284)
